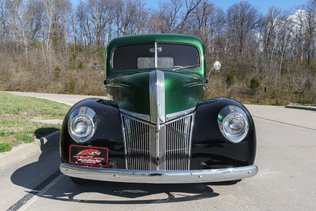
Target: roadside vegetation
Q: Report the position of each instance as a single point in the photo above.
(268, 57)
(16, 119)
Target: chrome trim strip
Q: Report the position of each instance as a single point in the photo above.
(161, 97)
(136, 115)
(153, 97)
(156, 154)
(168, 118)
(124, 140)
(136, 119)
(157, 97)
(179, 114)
(190, 140)
(159, 177)
(156, 56)
(157, 111)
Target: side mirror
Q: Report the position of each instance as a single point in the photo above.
(216, 66)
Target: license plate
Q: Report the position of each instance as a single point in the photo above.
(88, 155)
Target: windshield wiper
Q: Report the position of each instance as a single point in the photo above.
(184, 67)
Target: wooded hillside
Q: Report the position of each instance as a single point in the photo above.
(54, 46)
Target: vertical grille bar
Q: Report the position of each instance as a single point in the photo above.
(140, 142)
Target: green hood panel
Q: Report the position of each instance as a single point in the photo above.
(131, 92)
(182, 91)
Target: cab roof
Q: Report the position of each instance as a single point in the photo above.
(152, 38)
(160, 38)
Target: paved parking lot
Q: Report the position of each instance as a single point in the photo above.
(286, 180)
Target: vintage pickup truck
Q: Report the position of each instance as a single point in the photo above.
(156, 126)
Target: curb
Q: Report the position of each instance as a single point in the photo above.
(23, 151)
(310, 108)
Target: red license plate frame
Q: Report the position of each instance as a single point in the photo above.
(88, 155)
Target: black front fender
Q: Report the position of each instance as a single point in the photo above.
(210, 148)
(108, 130)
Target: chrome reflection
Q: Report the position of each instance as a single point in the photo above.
(157, 97)
(159, 177)
(149, 149)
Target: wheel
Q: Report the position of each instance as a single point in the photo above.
(79, 181)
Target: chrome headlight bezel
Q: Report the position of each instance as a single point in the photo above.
(85, 115)
(225, 118)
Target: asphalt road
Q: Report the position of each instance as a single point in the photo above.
(286, 180)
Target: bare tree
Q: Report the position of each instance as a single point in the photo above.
(190, 6)
(4, 22)
(18, 23)
(173, 16)
(131, 17)
(310, 32)
(99, 11)
(35, 13)
(83, 24)
(242, 19)
(53, 30)
(208, 23)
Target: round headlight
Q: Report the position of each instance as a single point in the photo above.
(81, 125)
(233, 123)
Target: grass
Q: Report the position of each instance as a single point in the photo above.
(304, 104)
(16, 115)
(307, 104)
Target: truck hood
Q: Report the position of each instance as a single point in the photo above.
(163, 91)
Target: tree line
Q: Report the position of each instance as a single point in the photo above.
(57, 46)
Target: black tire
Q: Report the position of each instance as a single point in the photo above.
(79, 181)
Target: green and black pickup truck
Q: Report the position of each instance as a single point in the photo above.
(156, 126)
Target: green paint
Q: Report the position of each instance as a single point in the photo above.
(182, 91)
(183, 88)
(131, 91)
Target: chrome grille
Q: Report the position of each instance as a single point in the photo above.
(148, 147)
(178, 141)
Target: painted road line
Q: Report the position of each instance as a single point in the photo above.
(34, 194)
(308, 128)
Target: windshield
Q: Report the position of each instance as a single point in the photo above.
(161, 55)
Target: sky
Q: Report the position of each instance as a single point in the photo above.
(261, 5)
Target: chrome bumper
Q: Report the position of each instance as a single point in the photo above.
(160, 177)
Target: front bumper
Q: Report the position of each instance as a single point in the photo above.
(159, 177)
